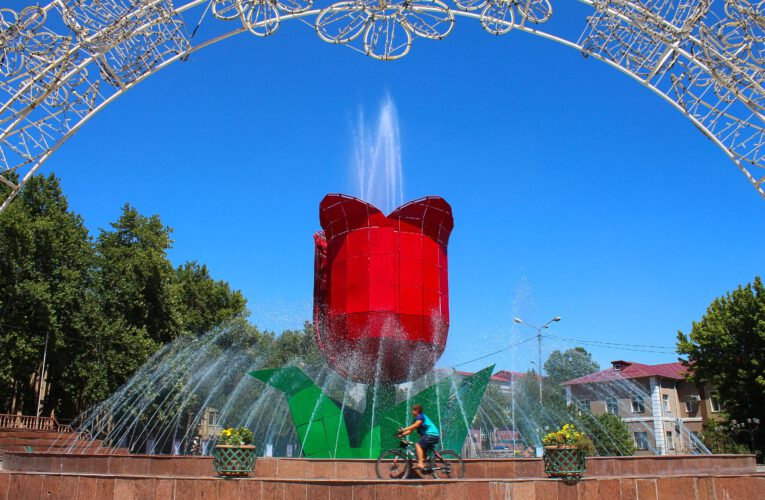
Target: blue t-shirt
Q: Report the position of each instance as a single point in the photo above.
(427, 427)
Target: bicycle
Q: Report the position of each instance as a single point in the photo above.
(396, 463)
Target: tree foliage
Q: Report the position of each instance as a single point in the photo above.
(493, 411)
(535, 418)
(105, 304)
(726, 349)
(204, 302)
(569, 364)
(609, 434)
(46, 255)
(719, 438)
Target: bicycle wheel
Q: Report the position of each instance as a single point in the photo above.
(392, 464)
(448, 464)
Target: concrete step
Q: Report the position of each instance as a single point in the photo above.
(28, 434)
(42, 441)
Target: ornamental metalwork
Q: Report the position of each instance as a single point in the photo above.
(63, 62)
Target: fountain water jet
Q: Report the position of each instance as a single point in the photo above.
(377, 158)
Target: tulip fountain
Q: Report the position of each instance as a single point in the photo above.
(381, 314)
(381, 319)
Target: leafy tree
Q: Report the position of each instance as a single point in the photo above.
(104, 306)
(609, 434)
(45, 261)
(136, 279)
(719, 438)
(533, 418)
(726, 349)
(569, 364)
(203, 302)
(135, 285)
(494, 410)
(300, 344)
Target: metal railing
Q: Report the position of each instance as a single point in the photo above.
(33, 423)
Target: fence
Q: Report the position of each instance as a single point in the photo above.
(32, 423)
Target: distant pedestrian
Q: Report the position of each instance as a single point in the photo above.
(195, 447)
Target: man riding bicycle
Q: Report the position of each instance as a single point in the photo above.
(429, 435)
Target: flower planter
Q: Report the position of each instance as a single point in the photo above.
(567, 462)
(230, 461)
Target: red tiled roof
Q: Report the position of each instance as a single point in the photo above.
(507, 376)
(500, 376)
(632, 370)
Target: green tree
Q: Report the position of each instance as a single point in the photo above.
(533, 419)
(135, 284)
(726, 349)
(45, 259)
(494, 412)
(136, 278)
(297, 345)
(104, 306)
(719, 438)
(203, 302)
(569, 364)
(609, 434)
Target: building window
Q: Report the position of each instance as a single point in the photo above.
(638, 405)
(583, 405)
(670, 441)
(665, 403)
(692, 404)
(212, 418)
(612, 406)
(618, 367)
(714, 399)
(641, 440)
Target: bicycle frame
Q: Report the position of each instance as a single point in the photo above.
(410, 453)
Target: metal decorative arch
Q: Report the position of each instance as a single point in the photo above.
(62, 63)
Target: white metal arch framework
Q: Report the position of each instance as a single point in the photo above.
(63, 62)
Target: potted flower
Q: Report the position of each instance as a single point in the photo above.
(564, 454)
(234, 455)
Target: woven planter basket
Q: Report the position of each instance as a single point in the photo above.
(230, 461)
(567, 462)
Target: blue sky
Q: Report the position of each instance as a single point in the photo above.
(575, 191)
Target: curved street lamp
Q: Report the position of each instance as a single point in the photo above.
(539, 346)
(750, 426)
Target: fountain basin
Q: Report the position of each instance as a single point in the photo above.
(353, 469)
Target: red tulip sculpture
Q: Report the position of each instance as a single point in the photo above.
(381, 296)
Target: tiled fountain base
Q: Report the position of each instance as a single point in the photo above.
(36, 476)
(37, 486)
(291, 468)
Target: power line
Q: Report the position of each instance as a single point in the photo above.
(496, 352)
(657, 349)
(614, 345)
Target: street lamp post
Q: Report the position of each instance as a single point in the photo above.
(749, 426)
(539, 347)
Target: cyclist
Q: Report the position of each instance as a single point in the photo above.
(429, 435)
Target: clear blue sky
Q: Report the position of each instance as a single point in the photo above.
(575, 191)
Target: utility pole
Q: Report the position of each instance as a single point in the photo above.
(539, 347)
(42, 375)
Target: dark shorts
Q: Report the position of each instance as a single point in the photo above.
(427, 442)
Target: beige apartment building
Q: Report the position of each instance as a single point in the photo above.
(663, 411)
